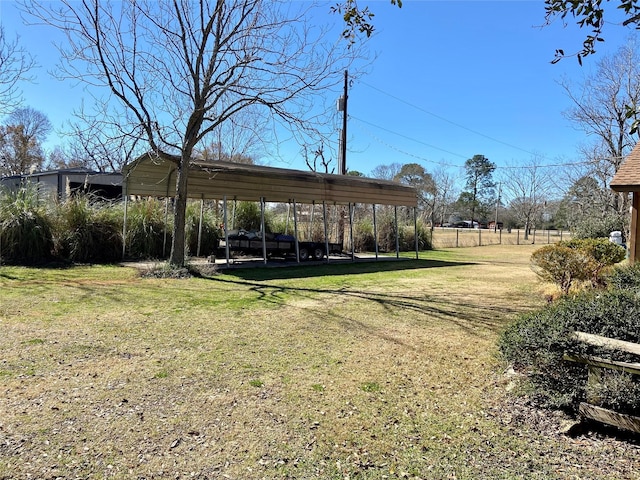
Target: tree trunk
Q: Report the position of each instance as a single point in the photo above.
(177, 258)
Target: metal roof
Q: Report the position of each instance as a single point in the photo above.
(150, 175)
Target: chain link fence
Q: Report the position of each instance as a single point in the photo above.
(474, 237)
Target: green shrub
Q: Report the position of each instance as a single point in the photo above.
(25, 229)
(593, 227)
(617, 391)
(535, 344)
(576, 260)
(280, 225)
(561, 265)
(87, 231)
(148, 236)
(248, 216)
(408, 238)
(625, 277)
(363, 238)
(602, 254)
(386, 232)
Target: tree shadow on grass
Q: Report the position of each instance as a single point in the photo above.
(474, 317)
(286, 271)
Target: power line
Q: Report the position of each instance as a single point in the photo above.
(407, 138)
(439, 117)
(555, 165)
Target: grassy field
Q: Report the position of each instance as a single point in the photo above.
(470, 237)
(351, 371)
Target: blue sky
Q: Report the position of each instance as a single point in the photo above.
(450, 79)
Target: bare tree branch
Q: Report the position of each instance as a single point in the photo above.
(181, 68)
(15, 63)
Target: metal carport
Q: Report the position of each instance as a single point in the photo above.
(152, 175)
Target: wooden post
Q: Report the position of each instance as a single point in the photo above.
(634, 247)
(479, 236)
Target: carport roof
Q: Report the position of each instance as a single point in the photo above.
(155, 176)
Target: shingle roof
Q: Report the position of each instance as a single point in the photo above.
(627, 179)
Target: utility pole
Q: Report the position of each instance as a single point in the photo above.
(342, 164)
(342, 107)
(495, 225)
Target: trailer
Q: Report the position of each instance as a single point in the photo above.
(277, 245)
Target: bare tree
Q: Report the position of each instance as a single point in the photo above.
(94, 148)
(527, 187)
(445, 194)
(319, 156)
(386, 172)
(601, 110)
(181, 68)
(36, 125)
(15, 64)
(21, 141)
(241, 139)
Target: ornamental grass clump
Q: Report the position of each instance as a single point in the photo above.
(88, 231)
(148, 235)
(25, 230)
(201, 239)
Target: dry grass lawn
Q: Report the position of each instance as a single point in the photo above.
(373, 371)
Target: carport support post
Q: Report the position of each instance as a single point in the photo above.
(415, 231)
(395, 213)
(375, 230)
(226, 230)
(286, 226)
(312, 208)
(124, 226)
(295, 230)
(200, 226)
(233, 215)
(353, 248)
(264, 234)
(326, 235)
(164, 230)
